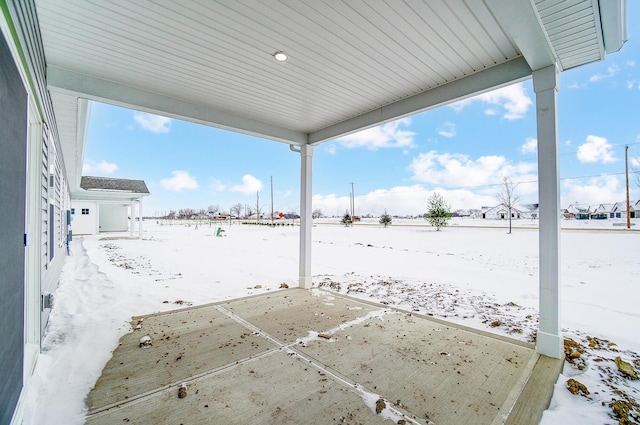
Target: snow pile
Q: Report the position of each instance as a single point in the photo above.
(478, 277)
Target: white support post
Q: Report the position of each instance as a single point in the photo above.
(97, 218)
(549, 340)
(132, 220)
(140, 218)
(306, 221)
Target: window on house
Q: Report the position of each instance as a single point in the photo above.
(85, 211)
(73, 211)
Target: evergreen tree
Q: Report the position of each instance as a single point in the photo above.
(346, 218)
(385, 219)
(439, 212)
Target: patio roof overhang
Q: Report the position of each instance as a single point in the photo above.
(109, 196)
(351, 65)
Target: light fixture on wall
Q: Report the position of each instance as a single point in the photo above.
(280, 56)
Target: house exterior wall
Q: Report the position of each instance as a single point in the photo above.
(36, 198)
(13, 144)
(85, 216)
(113, 218)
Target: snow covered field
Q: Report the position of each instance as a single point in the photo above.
(481, 277)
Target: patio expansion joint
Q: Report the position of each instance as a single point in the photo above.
(336, 376)
(170, 387)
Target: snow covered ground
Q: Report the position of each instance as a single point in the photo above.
(479, 276)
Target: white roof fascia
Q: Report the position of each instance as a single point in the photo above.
(501, 75)
(521, 21)
(613, 15)
(80, 85)
(82, 120)
(102, 195)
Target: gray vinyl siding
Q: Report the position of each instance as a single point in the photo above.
(13, 139)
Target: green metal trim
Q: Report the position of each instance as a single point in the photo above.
(23, 59)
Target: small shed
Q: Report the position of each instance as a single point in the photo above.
(107, 205)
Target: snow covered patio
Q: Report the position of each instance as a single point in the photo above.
(315, 357)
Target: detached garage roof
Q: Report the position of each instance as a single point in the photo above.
(104, 183)
(108, 189)
(350, 64)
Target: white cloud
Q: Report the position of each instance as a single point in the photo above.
(631, 63)
(448, 129)
(250, 185)
(403, 200)
(633, 84)
(180, 180)
(530, 145)
(596, 149)
(459, 170)
(383, 136)
(635, 162)
(152, 123)
(595, 191)
(217, 186)
(103, 167)
(512, 100)
(611, 71)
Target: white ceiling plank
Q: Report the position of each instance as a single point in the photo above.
(210, 61)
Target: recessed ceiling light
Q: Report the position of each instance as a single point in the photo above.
(280, 56)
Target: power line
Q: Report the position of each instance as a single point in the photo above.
(481, 186)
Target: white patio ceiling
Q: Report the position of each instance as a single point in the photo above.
(352, 64)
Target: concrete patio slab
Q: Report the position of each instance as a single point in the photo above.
(315, 357)
(185, 344)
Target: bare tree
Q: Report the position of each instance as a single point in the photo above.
(213, 209)
(258, 207)
(236, 209)
(249, 210)
(508, 198)
(317, 213)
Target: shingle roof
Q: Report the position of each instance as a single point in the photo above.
(105, 183)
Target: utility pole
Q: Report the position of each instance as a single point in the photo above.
(353, 204)
(271, 199)
(626, 171)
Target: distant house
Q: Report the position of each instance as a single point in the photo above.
(604, 211)
(106, 205)
(594, 214)
(500, 212)
(620, 209)
(617, 210)
(531, 211)
(577, 211)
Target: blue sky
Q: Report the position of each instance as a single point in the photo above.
(460, 151)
